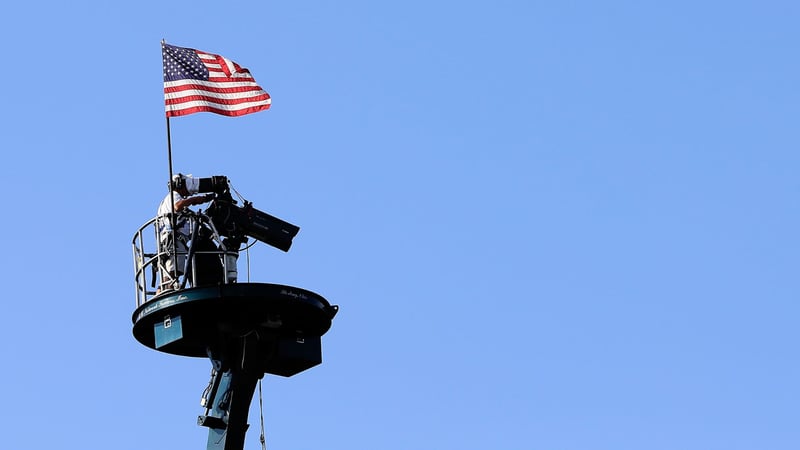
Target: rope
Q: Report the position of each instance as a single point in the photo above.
(261, 407)
(248, 261)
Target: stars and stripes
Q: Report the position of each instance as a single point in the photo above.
(195, 81)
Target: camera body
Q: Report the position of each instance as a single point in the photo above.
(234, 222)
(237, 222)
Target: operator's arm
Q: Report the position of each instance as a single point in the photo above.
(189, 201)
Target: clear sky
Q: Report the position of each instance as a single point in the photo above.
(548, 225)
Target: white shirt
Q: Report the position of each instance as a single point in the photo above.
(164, 210)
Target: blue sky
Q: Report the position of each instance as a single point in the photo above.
(548, 225)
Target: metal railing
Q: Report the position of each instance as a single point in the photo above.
(152, 254)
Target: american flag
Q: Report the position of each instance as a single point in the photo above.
(196, 81)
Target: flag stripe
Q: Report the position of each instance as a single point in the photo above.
(223, 100)
(219, 93)
(177, 97)
(200, 106)
(196, 81)
(209, 85)
(192, 110)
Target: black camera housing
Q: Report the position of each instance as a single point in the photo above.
(237, 222)
(217, 184)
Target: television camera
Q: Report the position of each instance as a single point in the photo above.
(236, 222)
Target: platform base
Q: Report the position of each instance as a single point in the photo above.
(246, 330)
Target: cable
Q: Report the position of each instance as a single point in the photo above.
(261, 407)
(247, 250)
(238, 194)
(207, 390)
(247, 246)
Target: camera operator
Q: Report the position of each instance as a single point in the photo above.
(173, 263)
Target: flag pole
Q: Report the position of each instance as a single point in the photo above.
(169, 137)
(173, 245)
(169, 156)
